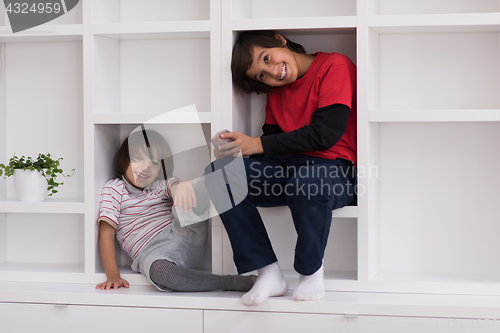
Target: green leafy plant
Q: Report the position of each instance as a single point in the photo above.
(45, 164)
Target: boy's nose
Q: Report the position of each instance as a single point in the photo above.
(276, 70)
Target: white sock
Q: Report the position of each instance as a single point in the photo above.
(270, 282)
(310, 287)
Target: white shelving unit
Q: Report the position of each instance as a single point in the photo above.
(426, 222)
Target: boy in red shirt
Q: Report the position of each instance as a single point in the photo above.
(305, 158)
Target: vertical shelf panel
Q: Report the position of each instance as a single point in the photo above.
(3, 120)
(3, 238)
(368, 146)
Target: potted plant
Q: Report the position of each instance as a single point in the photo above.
(34, 180)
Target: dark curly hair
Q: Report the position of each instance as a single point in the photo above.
(242, 57)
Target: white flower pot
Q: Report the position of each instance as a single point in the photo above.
(30, 185)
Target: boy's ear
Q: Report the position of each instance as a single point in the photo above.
(281, 38)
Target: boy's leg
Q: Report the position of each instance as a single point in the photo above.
(248, 236)
(251, 246)
(318, 187)
(167, 274)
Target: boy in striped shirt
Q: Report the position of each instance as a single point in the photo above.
(137, 208)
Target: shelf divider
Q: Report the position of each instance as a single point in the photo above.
(50, 206)
(43, 33)
(143, 118)
(426, 116)
(478, 22)
(327, 22)
(153, 30)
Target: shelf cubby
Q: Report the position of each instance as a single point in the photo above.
(340, 262)
(426, 77)
(249, 110)
(126, 11)
(37, 245)
(437, 218)
(151, 75)
(188, 143)
(42, 94)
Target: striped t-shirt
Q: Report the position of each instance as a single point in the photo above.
(137, 215)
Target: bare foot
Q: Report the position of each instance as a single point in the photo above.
(270, 282)
(310, 287)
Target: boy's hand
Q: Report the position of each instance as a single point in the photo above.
(184, 196)
(113, 282)
(241, 144)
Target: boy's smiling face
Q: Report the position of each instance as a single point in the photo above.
(275, 67)
(142, 172)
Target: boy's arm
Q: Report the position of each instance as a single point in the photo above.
(108, 256)
(327, 126)
(184, 195)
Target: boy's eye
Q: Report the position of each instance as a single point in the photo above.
(266, 58)
(261, 76)
(156, 163)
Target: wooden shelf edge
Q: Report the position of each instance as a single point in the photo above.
(327, 22)
(336, 303)
(426, 20)
(47, 207)
(344, 212)
(107, 29)
(47, 29)
(480, 115)
(143, 118)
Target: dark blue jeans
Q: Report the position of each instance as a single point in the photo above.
(310, 186)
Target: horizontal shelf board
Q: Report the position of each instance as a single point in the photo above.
(295, 23)
(479, 115)
(153, 118)
(50, 206)
(435, 23)
(153, 30)
(336, 303)
(433, 283)
(71, 275)
(344, 212)
(437, 277)
(43, 33)
(40, 268)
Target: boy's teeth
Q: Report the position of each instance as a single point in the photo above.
(283, 72)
